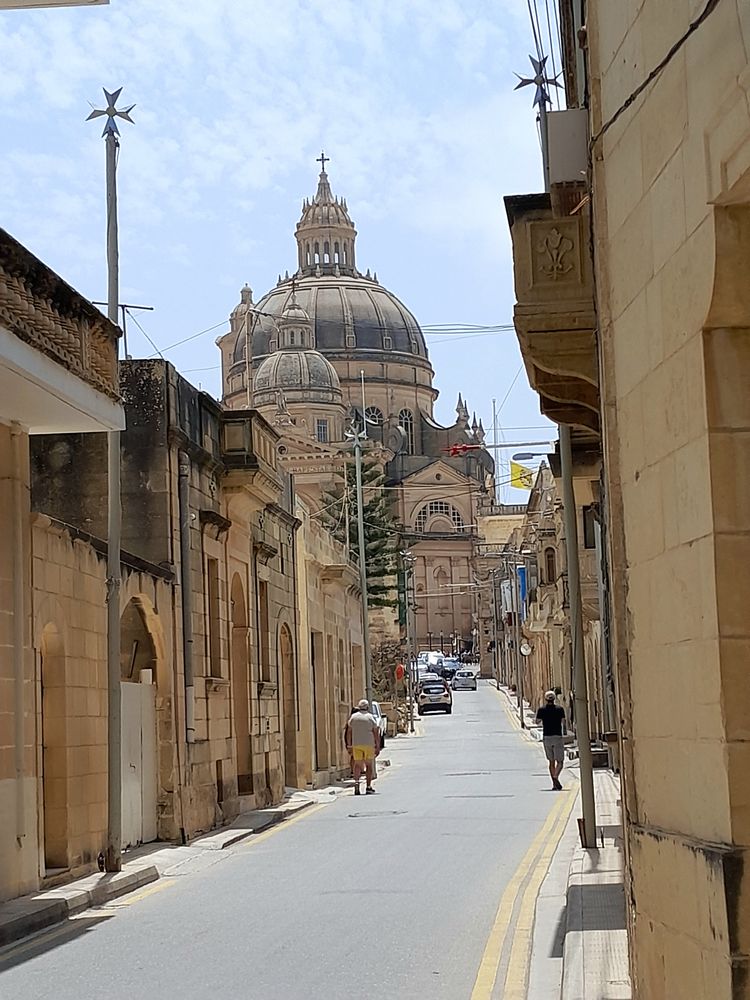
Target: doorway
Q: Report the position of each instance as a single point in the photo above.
(138, 759)
(240, 688)
(289, 692)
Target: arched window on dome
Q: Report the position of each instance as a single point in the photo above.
(346, 254)
(316, 255)
(406, 421)
(326, 252)
(336, 253)
(291, 336)
(307, 255)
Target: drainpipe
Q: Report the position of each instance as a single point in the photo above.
(186, 593)
(19, 622)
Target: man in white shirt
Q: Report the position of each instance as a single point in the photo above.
(363, 736)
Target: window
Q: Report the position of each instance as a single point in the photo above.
(321, 431)
(326, 252)
(438, 508)
(406, 421)
(589, 528)
(387, 342)
(214, 619)
(550, 566)
(374, 415)
(336, 254)
(264, 648)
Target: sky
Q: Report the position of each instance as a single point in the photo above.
(412, 100)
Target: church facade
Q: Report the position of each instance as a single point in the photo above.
(329, 344)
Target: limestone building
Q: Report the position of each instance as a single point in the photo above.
(326, 343)
(655, 352)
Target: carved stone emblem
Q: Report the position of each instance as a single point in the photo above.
(554, 249)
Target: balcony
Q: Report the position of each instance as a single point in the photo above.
(554, 314)
(58, 353)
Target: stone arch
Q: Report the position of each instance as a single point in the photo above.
(54, 684)
(289, 699)
(242, 704)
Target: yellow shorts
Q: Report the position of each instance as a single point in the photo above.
(363, 753)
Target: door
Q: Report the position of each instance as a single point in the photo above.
(138, 757)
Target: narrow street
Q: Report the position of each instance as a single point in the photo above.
(395, 895)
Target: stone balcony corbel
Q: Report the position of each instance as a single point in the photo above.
(554, 315)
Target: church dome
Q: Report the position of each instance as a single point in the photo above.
(352, 314)
(301, 376)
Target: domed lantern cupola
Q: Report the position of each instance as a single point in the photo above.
(295, 331)
(325, 233)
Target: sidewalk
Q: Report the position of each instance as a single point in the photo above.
(142, 865)
(580, 949)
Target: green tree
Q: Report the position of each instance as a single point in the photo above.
(381, 528)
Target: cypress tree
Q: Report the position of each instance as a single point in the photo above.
(381, 528)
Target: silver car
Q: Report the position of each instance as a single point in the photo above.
(464, 679)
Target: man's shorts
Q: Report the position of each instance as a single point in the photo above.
(554, 749)
(363, 753)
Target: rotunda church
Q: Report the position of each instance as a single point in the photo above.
(301, 356)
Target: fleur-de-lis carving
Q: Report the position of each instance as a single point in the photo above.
(555, 247)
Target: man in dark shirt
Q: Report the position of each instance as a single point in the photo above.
(552, 718)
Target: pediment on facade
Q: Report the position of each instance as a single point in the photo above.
(427, 476)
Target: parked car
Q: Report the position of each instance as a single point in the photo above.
(465, 678)
(449, 668)
(381, 720)
(434, 696)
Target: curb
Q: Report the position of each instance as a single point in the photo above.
(24, 916)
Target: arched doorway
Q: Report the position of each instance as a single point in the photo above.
(241, 688)
(138, 671)
(54, 751)
(289, 694)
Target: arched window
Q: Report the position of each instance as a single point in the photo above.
(326, 252)
(336, 253)
(307, 255)
(291, 336)
(317, 253)
(374, 415)
(406, 421)
(346, 253)
(441, 509)
(550, 566)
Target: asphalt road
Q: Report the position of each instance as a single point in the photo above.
(391, 895)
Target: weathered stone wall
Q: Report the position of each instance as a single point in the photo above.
(672, 197)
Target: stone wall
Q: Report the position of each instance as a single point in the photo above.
(672, 201)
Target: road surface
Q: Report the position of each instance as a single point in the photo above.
(420, 891)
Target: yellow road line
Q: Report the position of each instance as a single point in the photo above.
(135, 897)
(256, 838)
(518, 962)
(513, 717)
(488, 967)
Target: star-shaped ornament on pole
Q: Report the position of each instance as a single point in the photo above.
(110, 126)
(540, 80)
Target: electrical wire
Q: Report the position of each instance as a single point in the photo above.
(145, 334)
(552, 52)
(193, 336)
(710, 7)
(533, 28)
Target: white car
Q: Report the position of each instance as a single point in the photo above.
(466, 679)
(381, 720)
(434, 696)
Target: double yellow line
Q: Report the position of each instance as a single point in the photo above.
(533, 867)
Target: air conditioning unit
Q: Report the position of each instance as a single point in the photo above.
(568, 137)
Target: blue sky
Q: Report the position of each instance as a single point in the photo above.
(412, 100)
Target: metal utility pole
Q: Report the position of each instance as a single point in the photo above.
(517, 643)
(358, 438)
(113, 854)
(541, 81)
(495, 648)
(124, 306)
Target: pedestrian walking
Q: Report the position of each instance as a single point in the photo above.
(552, 718)
(363, 736)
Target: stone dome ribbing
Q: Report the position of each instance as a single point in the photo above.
(301, 376)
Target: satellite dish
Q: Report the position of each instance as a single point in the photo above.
(525, 649)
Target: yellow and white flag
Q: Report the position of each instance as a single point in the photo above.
(521, 476)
